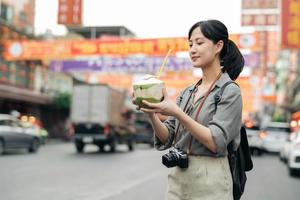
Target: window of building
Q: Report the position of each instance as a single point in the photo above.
(6, 12)
(22, 16)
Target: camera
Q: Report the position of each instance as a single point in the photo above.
(175, 157)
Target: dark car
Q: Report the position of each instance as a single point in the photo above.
(144, 131)
(15, 136)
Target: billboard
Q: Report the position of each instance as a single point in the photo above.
(67, 49)
(121, 64)
(260, 13)
(259, 4)
(290, 24)
(260, 19)
(69, 12)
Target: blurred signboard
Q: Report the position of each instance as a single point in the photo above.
(290, 24)
(260, 13)
(66, 49)
(259, 4)
(121, 64)
(69, 12)
(63, 49)
(175, 83)
(252, 59)
(260, 19)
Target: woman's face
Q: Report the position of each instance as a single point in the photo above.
(202, 50)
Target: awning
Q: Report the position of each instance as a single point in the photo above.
(21, 94)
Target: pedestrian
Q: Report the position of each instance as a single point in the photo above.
(198, 140)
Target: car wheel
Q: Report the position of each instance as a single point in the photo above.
(130, 146)
(79, 147)
(101, 148)
(259, 152)
(112, 146)
(2, 148)
(291, 172)
(34, 146)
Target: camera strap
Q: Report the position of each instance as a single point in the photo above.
(198, 110)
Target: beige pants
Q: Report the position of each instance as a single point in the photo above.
(206, 178)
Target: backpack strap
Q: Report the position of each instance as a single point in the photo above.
(218, 97)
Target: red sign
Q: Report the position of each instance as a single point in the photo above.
(290, 24)
(259, 4)
(69, 12)
(259, 19)
(64, 49)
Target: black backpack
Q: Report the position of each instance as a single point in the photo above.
(239, 160)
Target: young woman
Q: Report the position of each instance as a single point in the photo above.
(205, 132)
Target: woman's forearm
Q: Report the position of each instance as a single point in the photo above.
(201, 133)
(159, 128)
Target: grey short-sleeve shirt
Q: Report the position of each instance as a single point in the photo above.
(224, 124)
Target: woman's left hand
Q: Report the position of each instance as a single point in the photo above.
(166, 107)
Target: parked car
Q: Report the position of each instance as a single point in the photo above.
(15, 136)
(285, 149)
(35, 130)
(293, 153)
(144, 131)
(274, 136)
(254, 139)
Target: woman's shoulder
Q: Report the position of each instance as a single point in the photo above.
(229, 85)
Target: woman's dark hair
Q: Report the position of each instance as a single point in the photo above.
(231, 57)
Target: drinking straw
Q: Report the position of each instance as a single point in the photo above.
(163, 64)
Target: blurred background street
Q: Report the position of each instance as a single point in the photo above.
(58, 172)
(68, 128)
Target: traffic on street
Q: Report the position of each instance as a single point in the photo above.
(149, 99)
(59, 172)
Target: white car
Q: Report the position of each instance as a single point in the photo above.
(293, 159)
(274, 136)
(254, 140)
(285, 149)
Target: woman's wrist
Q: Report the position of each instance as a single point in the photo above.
(179, 113)
(151, 115)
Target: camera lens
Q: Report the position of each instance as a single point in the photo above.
(170, 160)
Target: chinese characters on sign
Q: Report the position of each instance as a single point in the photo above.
(290, 27)
(67, 49)
(259, 4)
(69, 12)
(259, 20)
(260, 13)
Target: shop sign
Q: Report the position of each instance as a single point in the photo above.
(121, 64)
(69, 12)
(259, 4)
(67, 49)
(290, 25)
(260, 19)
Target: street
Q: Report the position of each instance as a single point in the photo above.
(57, 172)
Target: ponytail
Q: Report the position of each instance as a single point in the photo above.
(232, 60)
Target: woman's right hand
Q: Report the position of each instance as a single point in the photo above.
(166, 107)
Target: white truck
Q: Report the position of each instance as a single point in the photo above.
(96, 115)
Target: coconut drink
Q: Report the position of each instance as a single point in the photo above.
(149, 89)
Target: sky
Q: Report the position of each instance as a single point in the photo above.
(145, 18)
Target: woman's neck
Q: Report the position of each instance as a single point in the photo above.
(210, 74)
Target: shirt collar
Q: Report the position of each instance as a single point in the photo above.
(223, 79)
(220, 82)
